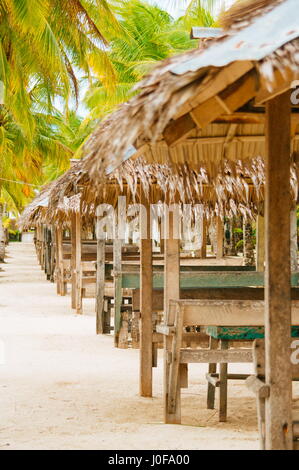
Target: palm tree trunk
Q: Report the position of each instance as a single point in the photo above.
(2, 236)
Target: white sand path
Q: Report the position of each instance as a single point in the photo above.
(63, 387)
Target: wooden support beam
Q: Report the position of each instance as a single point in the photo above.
(117, 246)
(53, 245)
(78, 254)
(179, 129)
(278, 417)
(100, 287)
(146, 302)
(260, 243)
(59, 260)
(220, 234)
(171, 291)
(73, 260)
(216, 84)
(227, 101)
(294, 240)
(203, 250)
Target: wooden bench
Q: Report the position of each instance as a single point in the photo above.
(262, 390)
(191, 277)
(217, 313)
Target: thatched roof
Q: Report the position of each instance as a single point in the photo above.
(238, 189)
(36, 209)
(195, 125)
(200, 94)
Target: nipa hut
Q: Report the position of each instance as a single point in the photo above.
(229, 100)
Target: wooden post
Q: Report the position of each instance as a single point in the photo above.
(53, 245)
(48, 242)
(59, 261)
(171, 291)
(219, 231)
(76, 263)
(294, 240)
(203, 250)
(100, 287)
(146, 302)
(73, 259)
(117, 246)
(278, 418)
(260, 243)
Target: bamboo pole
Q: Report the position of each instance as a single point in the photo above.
(278, 417)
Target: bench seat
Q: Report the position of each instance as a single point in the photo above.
(244, 333)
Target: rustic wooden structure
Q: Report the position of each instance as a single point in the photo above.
(257, 384)
(239, 81)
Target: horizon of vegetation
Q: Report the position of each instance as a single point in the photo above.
(53, 52)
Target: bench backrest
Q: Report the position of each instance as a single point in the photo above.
(224, 312)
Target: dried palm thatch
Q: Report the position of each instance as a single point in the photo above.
(37, 209)
(238, 189)
(180, 86)
(244, 11)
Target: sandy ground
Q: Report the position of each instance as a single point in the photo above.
(63, 387)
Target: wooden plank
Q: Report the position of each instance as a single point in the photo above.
(207, 356)
(229, 100)
(278, 417)
(179, 129)
(100, 286)
(218, 293)
(146, 301)
(228, 313)
(217, 83)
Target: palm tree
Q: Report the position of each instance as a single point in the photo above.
(151, 35)
(25, 166)
(44, 46)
